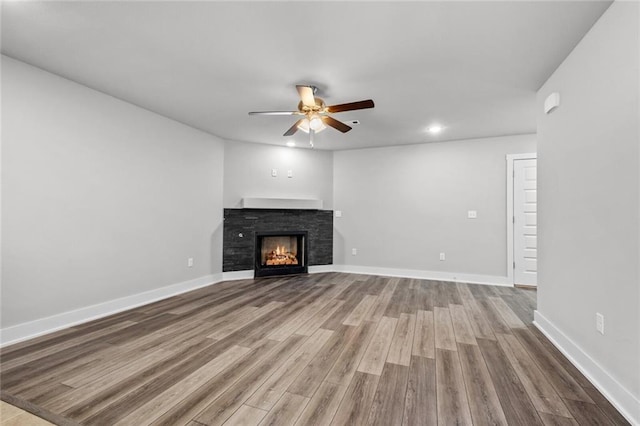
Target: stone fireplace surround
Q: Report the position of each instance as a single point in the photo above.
(240, 227)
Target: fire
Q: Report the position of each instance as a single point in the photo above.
(281, 256)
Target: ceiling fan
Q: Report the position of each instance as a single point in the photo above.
(315, 113)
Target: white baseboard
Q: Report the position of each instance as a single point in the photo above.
(425, 275)
(617, 394)
(248, 274)
(237, 275)
(320, 269)
(39, 327)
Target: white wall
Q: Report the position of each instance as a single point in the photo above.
(404, 205)
(100, 199)
(247, 173)
(588, 185)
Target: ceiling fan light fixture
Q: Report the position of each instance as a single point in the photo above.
(315, 123)
(304, 125)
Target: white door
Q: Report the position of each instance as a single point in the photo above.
(525, 235)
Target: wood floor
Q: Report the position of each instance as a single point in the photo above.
(331, 348)
(13, 416)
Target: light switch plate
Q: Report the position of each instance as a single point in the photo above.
(338, 213)
(274, 172)
(289, 173)
(472, 214)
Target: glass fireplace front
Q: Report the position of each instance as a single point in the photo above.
(281, 253)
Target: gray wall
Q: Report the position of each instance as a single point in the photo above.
(588, 185)
(100, 199)
(247, 173)
(404, 205)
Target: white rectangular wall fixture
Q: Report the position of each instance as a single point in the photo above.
(552, 102)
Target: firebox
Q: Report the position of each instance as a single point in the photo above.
(281, 253)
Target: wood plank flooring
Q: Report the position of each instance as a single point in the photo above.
(323, 349)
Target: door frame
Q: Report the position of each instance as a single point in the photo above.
(510, 178)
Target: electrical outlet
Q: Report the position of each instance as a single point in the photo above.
(442, 256)
(190, 262)
(354, 252)
(600, 323)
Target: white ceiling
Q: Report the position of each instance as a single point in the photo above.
(473, 67)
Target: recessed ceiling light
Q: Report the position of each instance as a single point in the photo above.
(435, 129)
(291, 144)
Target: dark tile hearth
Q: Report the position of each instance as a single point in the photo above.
(238, 252)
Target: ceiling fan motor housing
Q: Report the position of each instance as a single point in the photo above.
(319, 107)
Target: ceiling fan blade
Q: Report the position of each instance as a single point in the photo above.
(273, 113)
(351, 106)
(293, 128)
(306, 94)
(339, 125)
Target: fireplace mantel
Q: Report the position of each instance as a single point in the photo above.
(281, 203)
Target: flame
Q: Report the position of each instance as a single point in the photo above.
(281, 251)
(281, 255)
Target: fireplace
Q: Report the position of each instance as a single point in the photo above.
(281, 253)
(239, 252)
